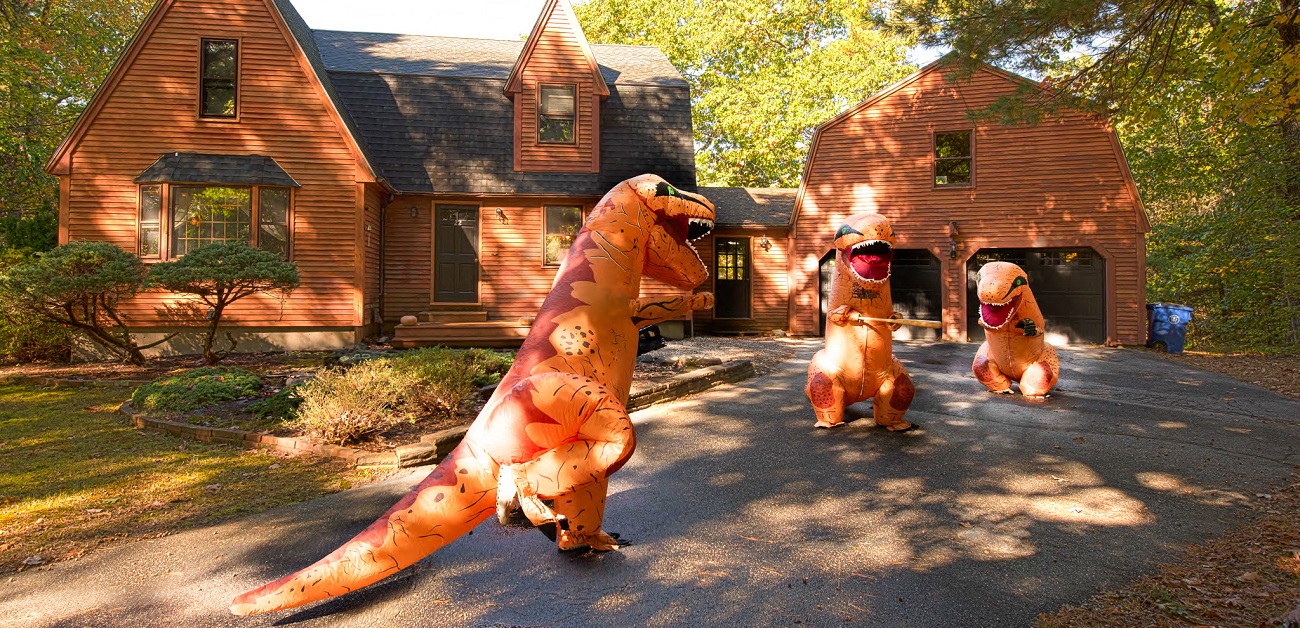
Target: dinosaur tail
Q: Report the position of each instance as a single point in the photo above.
(455, 497)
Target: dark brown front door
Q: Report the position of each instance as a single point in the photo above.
(731, 288)
(455, 254)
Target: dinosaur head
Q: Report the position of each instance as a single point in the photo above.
(678, 218)
(866, 248)
(1001, 287)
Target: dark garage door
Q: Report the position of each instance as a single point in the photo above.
(1069, 284)
(914, 283)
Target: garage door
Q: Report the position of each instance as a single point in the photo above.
(914, 284)
(1069, 284)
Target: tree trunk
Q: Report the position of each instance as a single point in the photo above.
(1288, 30)
(209, 355)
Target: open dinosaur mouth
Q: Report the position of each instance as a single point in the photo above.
(688, 229)
(996, 315)
(870, 260)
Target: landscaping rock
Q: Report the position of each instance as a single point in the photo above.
(446, 440)
(298, 379)
(486, 391)
(417, 454)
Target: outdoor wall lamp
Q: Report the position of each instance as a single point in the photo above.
(501, 215)
(415, 211)
(952, 239)
(765, 243)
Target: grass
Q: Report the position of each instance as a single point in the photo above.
(74, 477)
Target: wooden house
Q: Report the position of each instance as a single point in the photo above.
(405, 175)
(1055, 197)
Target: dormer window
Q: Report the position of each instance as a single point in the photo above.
(557, 114)
(218, 78)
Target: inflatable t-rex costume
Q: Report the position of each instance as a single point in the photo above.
(1012, 352)
(858, 361)
(556, 427)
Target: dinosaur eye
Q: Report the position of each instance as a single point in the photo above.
(1020, 281)
(846, 230)
(664, 189)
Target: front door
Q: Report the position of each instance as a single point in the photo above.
(455, 254)
(734, 276)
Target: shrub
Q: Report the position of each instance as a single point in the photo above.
(340, 406)
(441, 379)
(282, 405)
(25, 337)
(219, 274)
(490, 366)
(196, 389)
(80, 285)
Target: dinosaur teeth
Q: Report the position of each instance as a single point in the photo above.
(698, 228)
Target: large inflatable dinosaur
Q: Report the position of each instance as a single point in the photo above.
(858, 362)
(556, 427)
(1012, 351)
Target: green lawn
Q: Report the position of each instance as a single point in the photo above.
(74, 476)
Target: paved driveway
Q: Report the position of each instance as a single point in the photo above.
(742, 514)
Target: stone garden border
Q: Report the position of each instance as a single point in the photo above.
(432, 447)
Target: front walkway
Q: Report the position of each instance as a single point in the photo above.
(742, 514)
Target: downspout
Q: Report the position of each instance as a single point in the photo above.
(383, 256)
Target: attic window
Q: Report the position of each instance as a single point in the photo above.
(557, 113)
(219, 75)
(953, 157)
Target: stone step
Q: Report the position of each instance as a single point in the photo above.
(452, 316)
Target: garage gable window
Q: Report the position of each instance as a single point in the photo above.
(953, 159)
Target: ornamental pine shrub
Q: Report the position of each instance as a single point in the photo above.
(25, 337)
(197, 388)
(80, 285)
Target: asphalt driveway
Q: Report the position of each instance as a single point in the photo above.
(742, 514)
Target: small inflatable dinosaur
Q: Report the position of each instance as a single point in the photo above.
(858, 362)
(1012, 352)
(556, 427)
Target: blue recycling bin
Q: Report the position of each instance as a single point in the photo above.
(1167, 325)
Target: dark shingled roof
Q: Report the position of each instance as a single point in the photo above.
(752, 207)
(478, 58)
(231, 169)
(430, 113)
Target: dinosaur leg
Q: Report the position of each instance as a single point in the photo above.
(988, 373)
(590, 437)
(1042, 375)
(893, 398)
(826, 393)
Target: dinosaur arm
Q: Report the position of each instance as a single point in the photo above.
(651, 310)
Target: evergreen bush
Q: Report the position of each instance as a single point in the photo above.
(197, 388)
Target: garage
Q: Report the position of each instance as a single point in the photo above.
(915, 284)
(1069, 285)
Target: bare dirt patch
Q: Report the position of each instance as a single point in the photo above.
(1280, 374)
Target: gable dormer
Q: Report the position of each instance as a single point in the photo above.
(557, 89)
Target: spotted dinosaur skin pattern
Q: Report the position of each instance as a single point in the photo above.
(858, 361)
(556, 427)
(1015, 349)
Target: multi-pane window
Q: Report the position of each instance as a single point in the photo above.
(150, 220)
(557, 114)
(195, 215)
(952, 158)
(219, 76)
(732, 256)
(562, 223)
(206, 214)
(1066, 258)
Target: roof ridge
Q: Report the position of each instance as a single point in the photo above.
(492, 39)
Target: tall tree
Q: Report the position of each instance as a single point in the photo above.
(53, 55)
(763, 73)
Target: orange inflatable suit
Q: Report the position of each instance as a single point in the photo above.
(858, 362)
(1015, 349)
(556, 427)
